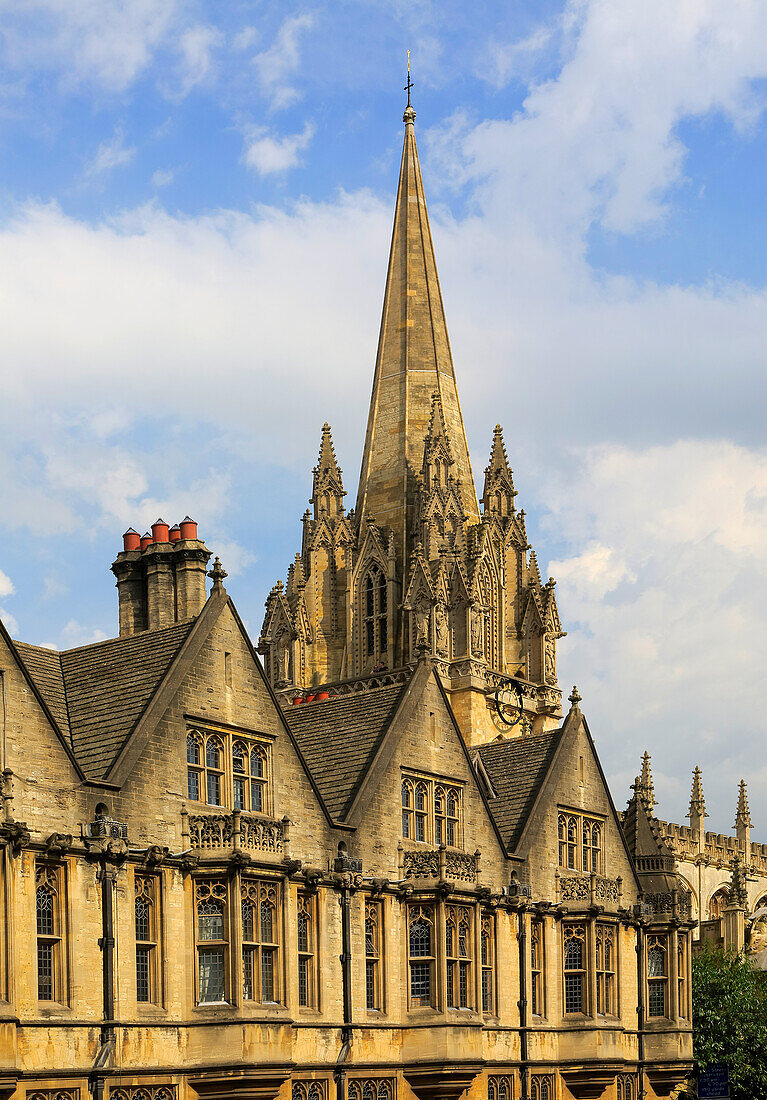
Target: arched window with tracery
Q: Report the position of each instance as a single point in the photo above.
(421, 955)
(488, 602)
(718, 903)
(376, 632)
(249, 778)
(49, 919)
(568, 840)
(260, 944)
(446, 815)
(458, 955)
(657, 976)
(575, 967)
(211, 897)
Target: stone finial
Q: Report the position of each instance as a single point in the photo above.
(738, 885)
(217, 574)
(574, 698)
(697, 801)
(742, 814)
(647, 788)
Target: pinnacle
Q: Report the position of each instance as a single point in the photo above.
(743, 814)
(697, 801)
(648, 789)
(574, 697)
(327, 460)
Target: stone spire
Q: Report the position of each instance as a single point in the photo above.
(697, 811)
(697, 801)
(645, 781)
(327, 485)
(413, 362)
(499, 492)
(743, 820)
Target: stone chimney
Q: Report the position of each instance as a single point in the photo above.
(160, 576)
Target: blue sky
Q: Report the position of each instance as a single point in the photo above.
(195, 207)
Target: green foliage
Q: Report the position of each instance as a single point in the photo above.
(729, 998)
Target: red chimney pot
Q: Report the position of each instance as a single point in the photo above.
(188, 528)
(160, 531)
(146, 540)
(175, 533)
(131, 540)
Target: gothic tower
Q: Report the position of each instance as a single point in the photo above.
(418, 567)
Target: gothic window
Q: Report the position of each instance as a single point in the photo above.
(307, 950)
(260, 936)
(211, 928)
(761, 904)
(657, 976)
(681, 974)
(458, 953)
(249, 776)
(431, 810)
(718, 903)
(500, 1086)
(373, 939)
(580, 842)
(625, 1086)
(49, 912)
(421, 955)
(575, 967)
(309, 1090)
(592, 845)
(542, 1086)
(536, 967)
(605, 950)
(372, 1088)
(146, 923)
(487, 951)
(375, 617)
(228, 771)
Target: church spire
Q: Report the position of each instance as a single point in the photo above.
(645, 779)
(327, 486)
(413, 363)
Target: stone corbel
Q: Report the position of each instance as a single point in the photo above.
(313, 877)
(378, 885)
(189, 862)
(107, 849)
(239, 859)
(155, 856)
(16, 835)
(58, 844)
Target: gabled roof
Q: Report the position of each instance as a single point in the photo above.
(516, 768)
(338, 738)
(97, 693)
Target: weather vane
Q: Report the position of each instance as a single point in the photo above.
(409, 84)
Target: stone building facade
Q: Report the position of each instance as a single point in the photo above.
(724, 875)
(382, 865)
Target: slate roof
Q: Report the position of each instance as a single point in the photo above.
(517, 768)
(97, 693)
(338, 738)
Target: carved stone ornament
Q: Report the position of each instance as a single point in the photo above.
(58, 844)
(189, 862)
(441, 630)
(477, 634)
(155, 855)
(107, 849)
(16, 834)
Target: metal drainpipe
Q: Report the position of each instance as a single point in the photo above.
(523, 1029)
(640, 1009)
(345, 957)
(107, 945)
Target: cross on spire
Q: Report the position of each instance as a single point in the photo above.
(409, 84)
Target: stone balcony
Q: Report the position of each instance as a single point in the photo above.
(439, 863)
(589, 889)
(213, 832)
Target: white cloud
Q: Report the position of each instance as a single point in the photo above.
(503, 62)
(6, 585)
(665, 608)
(162, 177)
(197, 45)
(104, 42)
(75, 634)
(271, 155)
(111, 154)
(277, 65)
(9, 622)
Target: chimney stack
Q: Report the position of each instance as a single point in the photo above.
(160, 576)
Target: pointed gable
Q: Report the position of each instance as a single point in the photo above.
(517, 768)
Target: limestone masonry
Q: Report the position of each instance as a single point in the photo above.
(378, 862)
